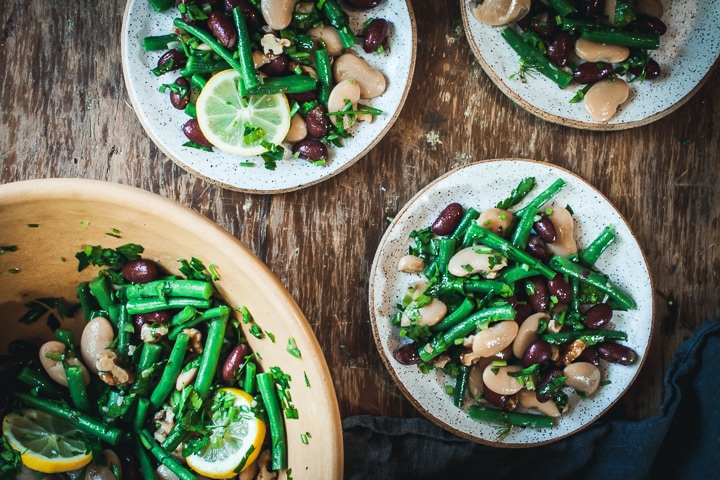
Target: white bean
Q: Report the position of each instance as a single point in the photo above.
(97, 335)
(54, 368)
(350, 66)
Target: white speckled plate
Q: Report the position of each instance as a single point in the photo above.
(163, 123)
(482, 185)
(687, 52)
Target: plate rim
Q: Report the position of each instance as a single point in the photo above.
(387, 362)
(147, 127)
(560, 120)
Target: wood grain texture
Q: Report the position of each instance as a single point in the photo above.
(65, 113)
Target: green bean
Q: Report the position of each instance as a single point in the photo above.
(164, 457)
(146, 468)
(124, 331)
(176, 436)
(248, 74)
(536, 59)
(158, 42)
(457, 315)
(468, 218)
(171, 371)
(200, 66)
(143, 405)
(204, 317)
(591, 277)
(487, 286)
(562, 7)
(185, 315)
(146, 305)
(266, 385)
(590, 337)
(339, 19)
(542, 198)
(324, 70)
(461, 385)
(476, 412)
(87, 301)
(39, 383)
(289, 84)
(510, 275)
(249, 382)
(76, 386)
(161, 5)
(477, 321)
(149, 356)
(83, 422)
(446, 250)
(164, 289)
(591, 254)
(101, 291)
(208, 40)
(210, 356)
(646, 41)
(504, 246)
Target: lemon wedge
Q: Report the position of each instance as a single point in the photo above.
(236, 436)
(240, 125)
(46, 444)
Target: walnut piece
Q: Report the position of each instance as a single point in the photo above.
(195, 335)
(109, 370)
(164, 422)
(152, 332)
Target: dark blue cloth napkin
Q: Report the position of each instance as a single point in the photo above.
(682, 442)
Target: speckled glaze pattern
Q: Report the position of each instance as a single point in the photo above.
(163, 123)
(481, 185)
(687, 52)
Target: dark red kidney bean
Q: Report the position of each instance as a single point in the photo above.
(597, 316)
(407, 354)
(506, 402)
(545, 229)
(140, 270)
(223, 28)
(177, 58)
(590, 354)
(558, 50)
(363, 4)
(317, 122)
(277, 67)
(560, 289)
(310, 149)
(302, 97)
(522, 312)
(616, 353)
(544, 382)
(180, 101)
(537, 248)
(234, 360)
(525, 21)
(192, 131)
(648, 24)
(375, 35)
(651, 70)
(140, 319)
(538, 351)
(129, 463)
(448, 220)
(544, 24)
(591, 72)
(537, 292)
(251, 13)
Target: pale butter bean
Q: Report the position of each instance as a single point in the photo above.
(350, 66)
(591, 51)
(54, 368)
(564, 244)
(430, 314)
(501, 12)
(528, 399)
(498, 380)
(330, 37)
(495, 338)
(604, 98)
(496, 220)
(411, 264)
(476, 259)
(582, 376)
(298, 129)
(97, 335)
(527, 333)
(347, 90)
(277, 13)
(186, 378)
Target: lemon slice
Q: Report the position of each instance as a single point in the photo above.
(235, 439)
(46, 444)
(233, 123)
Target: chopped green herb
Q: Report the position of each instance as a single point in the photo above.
(292, 348)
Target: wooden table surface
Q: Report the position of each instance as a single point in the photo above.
(66, 113)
